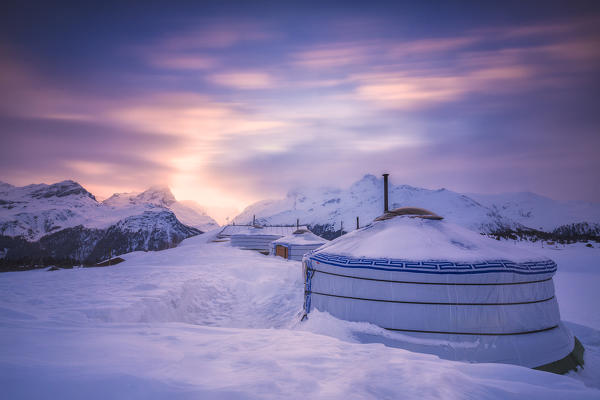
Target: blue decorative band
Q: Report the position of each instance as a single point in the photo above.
(436, 267)
(308, 274)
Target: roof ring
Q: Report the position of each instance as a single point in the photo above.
(300, 231)
(412, 212)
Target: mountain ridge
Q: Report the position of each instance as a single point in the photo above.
(327, 208)
(64, 223)
(540, 212)
(187, 211)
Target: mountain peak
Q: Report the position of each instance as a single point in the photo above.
(364, 199)
(159, 188)
(5, 185)
(367, 182)
(61, 189)
(158, 194)
(369, 178)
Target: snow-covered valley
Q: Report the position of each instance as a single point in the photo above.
(205, 320)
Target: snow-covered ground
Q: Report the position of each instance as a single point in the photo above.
(205, 320)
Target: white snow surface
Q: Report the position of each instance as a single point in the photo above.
(364, 199)
(205, 320)
(417, 239)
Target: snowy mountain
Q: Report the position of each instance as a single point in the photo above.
(63, 223)
(34, 211)
(326, 208)
(539, 212)
(188, 212)
(5, 186)
(157, 195)
(364, 199)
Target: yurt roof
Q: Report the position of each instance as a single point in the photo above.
(251, 230)
(418, 239)
(303, 237)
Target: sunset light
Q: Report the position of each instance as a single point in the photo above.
(298, 199)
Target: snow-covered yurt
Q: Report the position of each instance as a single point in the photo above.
(229, 230)
(296, 245)
(256, 237)
(439, 288)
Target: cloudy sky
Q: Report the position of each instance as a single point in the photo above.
(233, 102)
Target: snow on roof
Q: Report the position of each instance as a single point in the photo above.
(304, 237)
(251, 230)
(406, 238)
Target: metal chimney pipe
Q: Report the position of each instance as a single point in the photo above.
(357, 223)
(297, 223)
(254, 220)
(385, 193)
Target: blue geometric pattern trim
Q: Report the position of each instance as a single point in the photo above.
(436, 267)
(308, 274)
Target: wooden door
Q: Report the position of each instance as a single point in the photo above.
(281, 251)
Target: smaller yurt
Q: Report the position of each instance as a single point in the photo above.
(442, 289)
(257, 237)
(254, 238)
(296, 245)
